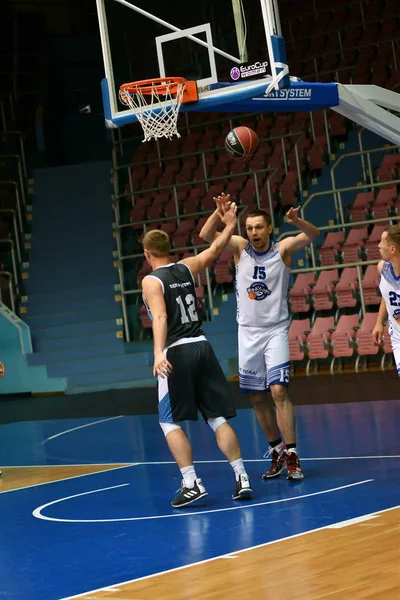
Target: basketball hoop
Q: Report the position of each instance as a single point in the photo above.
(156, 103)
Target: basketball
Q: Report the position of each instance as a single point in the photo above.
(241, 142)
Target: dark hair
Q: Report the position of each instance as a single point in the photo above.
(260, 213)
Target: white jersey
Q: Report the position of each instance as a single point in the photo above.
(262, 282)
(390, 290)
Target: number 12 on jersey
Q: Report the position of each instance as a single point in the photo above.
(188, 313)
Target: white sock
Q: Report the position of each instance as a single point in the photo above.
(189, 476)
(238, 467)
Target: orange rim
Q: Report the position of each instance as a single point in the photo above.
(147, 86)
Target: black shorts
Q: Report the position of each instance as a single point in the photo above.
(196, 383)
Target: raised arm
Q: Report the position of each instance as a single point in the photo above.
(208, 256)
(309, 233)
(209, 230)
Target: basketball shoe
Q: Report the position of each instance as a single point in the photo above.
(278, 461)
(243, 489)
(189, 495)
(294, 470)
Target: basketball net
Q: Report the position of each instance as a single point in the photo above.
(158, 111)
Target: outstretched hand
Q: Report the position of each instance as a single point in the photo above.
(292, 215)
(223, 203)
(229, 216)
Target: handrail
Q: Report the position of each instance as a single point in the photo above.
(198, 152)
(125, 292)
(186, 126)
(328, 228)
(273, 170)
(19, 209)
(21, 179)
(22, 148)
(10, 287)
(358, 265)
(17, 242)
(346, 189)
(9, 97)
(11, 243)
(359, 153)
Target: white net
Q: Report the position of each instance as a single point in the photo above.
(158, 112)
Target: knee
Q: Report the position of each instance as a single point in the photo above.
(279, 394)
(215, 423)
(258, 399)
(168, 427)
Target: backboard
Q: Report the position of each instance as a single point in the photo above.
(236, 41)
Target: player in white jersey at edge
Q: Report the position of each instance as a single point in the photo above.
(389, 270)
(262, 280)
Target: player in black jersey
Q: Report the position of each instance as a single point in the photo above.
(190, 378)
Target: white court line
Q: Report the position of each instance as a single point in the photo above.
(355, 521)
(26, 487)
(250, 460)
(208, 560)
(80, 427)
(38, 511)
(198, 462)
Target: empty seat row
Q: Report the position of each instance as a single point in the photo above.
(331, 290)
(323, 339)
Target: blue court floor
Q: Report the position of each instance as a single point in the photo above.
(84, 532)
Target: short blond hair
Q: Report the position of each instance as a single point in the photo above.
(393, 235)
(157, 242)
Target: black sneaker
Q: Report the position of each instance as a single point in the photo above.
(189, 495)
(243, 489)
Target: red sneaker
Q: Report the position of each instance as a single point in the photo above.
(294, 470)
(277, 464)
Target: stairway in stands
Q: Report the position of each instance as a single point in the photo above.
(72, 302)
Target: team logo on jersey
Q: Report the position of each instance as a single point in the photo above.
(258, 291)
(396, 315)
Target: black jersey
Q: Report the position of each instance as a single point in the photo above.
(180, 298)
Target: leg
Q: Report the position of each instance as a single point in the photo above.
(229, 445)
(265, 415)
(277, 358)
(285, 416)
(180, 448)
(215, 403)
(227, 442)
(287, 424)
(192, 488)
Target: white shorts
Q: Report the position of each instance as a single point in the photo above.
(396, 354)
(264, 358)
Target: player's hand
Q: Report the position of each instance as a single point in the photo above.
(223, 203)
(292, 215)
(229, 217)
(377, 334)
(161, 366)
(2, 370)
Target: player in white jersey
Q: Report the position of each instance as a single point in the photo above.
(262, 279)
(389, 270)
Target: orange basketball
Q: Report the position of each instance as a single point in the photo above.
(241, 142)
